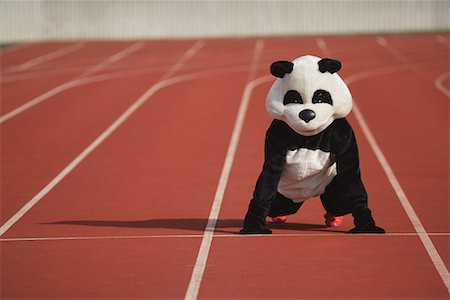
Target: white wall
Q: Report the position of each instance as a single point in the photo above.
(129, 19)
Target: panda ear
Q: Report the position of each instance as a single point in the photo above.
(280, 68)
(329, 65)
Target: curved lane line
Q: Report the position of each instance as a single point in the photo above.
(405, 61)
(103, 77)
(439, 83)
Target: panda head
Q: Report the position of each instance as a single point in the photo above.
(308, 94)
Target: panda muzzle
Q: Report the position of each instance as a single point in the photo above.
(307, 115)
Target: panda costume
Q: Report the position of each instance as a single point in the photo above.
(310, 148)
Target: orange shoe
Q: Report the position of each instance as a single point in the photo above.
(280, 219)
(333, 221)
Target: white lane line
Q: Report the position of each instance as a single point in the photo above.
(404, 60)
(257, 52)
(323, 47)
(112, 59)
(439, 83)
(70, 84)
(422, 233)
(196, 236)
(202, 257)
(88, 80)
(38, 73)
(443, 40)
(47, 57)
(191, 52)
(384, 43)
(56, 90)
(418, 227)
(14, 48)
(102, 137)
(6, 78)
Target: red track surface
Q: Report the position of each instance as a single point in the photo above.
(128, 220)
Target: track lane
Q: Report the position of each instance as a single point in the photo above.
(137, 185)
(133, 165)
(71, 123)
(424, 177)
(103, 269)
(321, 267)
(408, 146)
(407, 141)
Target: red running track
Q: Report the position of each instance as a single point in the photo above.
(120, 212)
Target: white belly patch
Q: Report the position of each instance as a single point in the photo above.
(306, 174)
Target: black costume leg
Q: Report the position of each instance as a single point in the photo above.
(282, 206)
(332, 202)
(339, 200)
(338, 204)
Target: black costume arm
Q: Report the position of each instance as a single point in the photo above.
(351, 189)
(267, 184)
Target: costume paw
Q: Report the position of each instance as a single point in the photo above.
(255, 231)
(367, 229)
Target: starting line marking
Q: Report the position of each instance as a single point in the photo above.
(275, 235)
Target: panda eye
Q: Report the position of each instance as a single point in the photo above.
(292, 97)
(322, 96)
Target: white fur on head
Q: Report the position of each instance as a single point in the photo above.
(306, 78)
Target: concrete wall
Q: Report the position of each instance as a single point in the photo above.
(130, 19)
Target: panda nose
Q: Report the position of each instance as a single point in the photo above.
(307, 115)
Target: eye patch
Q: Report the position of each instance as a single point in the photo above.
(322, 96)
(292, 97)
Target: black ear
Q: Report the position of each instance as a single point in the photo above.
(280, 68)
(329, 65)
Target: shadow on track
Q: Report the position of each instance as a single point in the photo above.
(225, 225)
